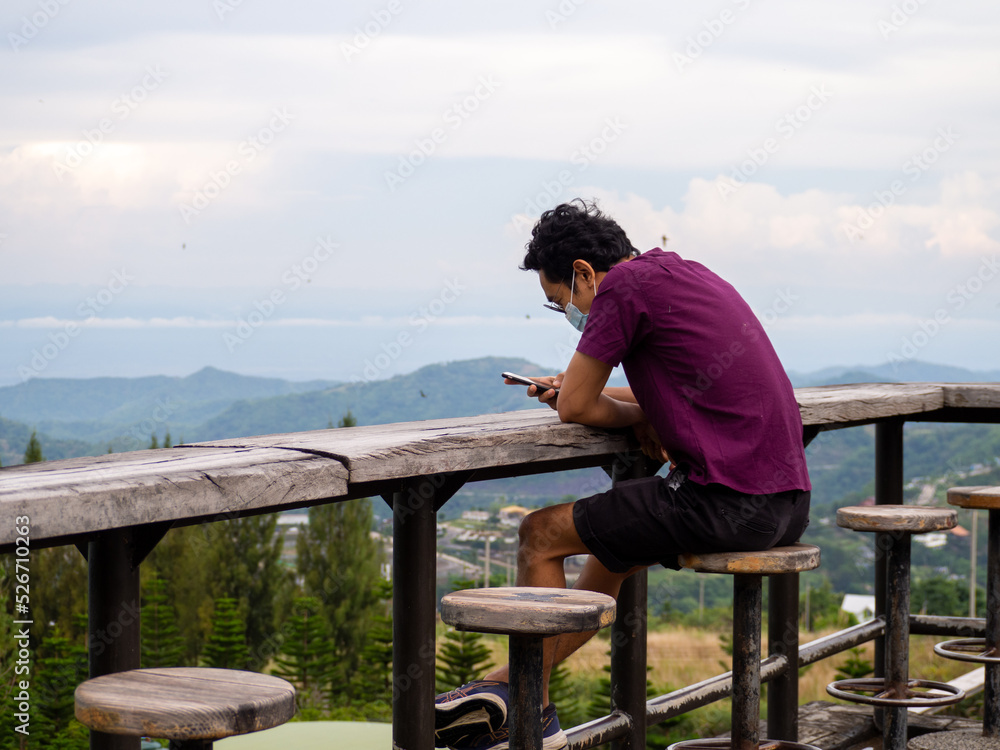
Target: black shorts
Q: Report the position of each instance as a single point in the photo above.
(655, 519)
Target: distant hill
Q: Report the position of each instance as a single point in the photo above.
(910, 371)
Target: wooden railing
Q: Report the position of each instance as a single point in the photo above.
(115, 508)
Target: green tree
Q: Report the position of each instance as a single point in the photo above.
(855, 666)
(166, 440)
(245, 557)
(61, 666)
(227, 645)
(306, 657)
(348, 420)
(33, 452)
(162, 645)
(377, 652)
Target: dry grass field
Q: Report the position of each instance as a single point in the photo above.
(683, 655)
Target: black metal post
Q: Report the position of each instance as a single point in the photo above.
(628, 634)
(991, 688)
(413, 615)
(747, 596)
(897, 634)
(783, 640)
(525, 718)
(628, 660)
(888, 491)
(112, 617)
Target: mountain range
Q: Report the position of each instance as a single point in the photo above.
(90, 416)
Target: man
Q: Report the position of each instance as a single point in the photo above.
(706, 393)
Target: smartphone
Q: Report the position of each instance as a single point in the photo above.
(528, 381)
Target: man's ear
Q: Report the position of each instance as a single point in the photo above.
(583, 267)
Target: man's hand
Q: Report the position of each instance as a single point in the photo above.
(546, 396)
(650, 443)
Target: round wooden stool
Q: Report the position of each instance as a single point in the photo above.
(896, 692)
(748, 570)
(528, 615)
(986, 650)
(189, 706)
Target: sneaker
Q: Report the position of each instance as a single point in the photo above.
(476, 709)
(553, 738)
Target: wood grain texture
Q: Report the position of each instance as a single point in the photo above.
(791, 559)
(184, 703)
(899, 518)
(986, 498)
(835, 404)
(82, 495)
(409, 449)
(527, 611)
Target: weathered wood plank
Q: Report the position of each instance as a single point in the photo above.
(184, 703)
(838, 404)
(907, 519)
(527, 611)
(84, 495)
(972, 395)
(791, 559)
(408, 449)
(975, 497)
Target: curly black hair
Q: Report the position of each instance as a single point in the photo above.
(575, 230)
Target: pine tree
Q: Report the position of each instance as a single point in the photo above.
(153, 442)
(166, 440)
(162, 645)
(348, 420)
(306, 657)
(463, 655)
(377, 652)
(33, 453)
(244, 555)
(226, 647)
(60, 668)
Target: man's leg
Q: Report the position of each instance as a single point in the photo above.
(546, 538)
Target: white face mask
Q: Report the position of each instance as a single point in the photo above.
(576, 318)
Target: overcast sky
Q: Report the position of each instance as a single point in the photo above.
(318, 189)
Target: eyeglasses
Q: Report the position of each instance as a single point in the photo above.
(554, 307)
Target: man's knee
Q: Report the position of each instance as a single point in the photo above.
(544, 532)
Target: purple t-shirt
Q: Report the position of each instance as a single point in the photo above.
(703, 371)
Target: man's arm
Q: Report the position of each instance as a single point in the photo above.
(582, 398)
(621, 394)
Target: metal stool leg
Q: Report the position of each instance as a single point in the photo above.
(525, 692)
(746, 661)
(991, 690)
(897, 639)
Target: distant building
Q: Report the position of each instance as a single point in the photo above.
(476, 515)
(512, 515)
(861, 606)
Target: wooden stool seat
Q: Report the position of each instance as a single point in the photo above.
(527, 611)
(976, 498)
(184, 703)
(905, 519)
(527, 615)
(791, 559)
